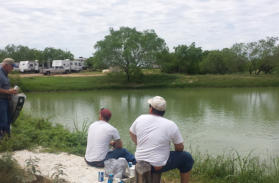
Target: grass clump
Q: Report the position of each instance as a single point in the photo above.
(27, 133)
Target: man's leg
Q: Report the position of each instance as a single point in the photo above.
(185, 177)
(4, 120)
(121, 153)
(181, 160)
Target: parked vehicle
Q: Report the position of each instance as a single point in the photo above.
(29, 66)
(58, 67)
(76, 66)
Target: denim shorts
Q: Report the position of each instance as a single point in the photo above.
(178, 160)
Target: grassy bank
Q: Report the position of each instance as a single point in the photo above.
(158, 80)
(227, 168)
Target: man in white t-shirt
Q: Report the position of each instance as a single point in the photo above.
(152, 133)
(100, 136)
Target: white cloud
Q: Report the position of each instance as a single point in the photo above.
(78, 25)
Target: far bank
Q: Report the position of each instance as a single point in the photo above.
(158, 80)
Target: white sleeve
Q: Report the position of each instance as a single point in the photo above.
(176, 136)
(115, 134)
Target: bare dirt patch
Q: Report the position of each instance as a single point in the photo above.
(62, 75)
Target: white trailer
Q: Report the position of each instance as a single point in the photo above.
(76, 65)
(29, 66)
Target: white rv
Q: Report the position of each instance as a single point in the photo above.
(29, 66)
(76, 66)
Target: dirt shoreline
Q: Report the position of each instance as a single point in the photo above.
(62, 75)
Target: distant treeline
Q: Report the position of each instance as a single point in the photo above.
(255, 57)
(131, 50)
(20, 53)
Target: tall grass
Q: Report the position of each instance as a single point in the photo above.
(28, 132)
(231, 168)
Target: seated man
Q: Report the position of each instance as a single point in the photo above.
(152, 133)
(100, 136)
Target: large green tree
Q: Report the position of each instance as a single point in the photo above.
(188, 58)
(129, 49)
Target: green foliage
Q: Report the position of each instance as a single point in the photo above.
(213, 63)
(10, 170)
(129, 50)
(262, 55)
(95, 63)
(28, 133)
(167, 61)
(32, 166)
(188, 58)
(222, 62)
(58, 172)
(185, 59)
(20, 53)
(233, 167)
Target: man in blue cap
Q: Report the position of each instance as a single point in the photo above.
(6, 91)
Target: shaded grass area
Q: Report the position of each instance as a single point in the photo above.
(28, 133)
(231, 167)
(157, 80)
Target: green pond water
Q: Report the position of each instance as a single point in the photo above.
(211, 120)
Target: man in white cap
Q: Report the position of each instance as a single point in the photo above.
(6, 91)
(152, 134)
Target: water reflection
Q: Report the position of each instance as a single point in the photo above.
(212, 119)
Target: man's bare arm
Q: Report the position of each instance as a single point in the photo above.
(179, 147)
(9, 91)
(133, 137)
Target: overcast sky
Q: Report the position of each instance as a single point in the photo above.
(76, 25)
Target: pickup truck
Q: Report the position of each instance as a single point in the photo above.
(58, 67)
(55, 70)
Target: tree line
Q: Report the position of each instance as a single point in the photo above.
(20, 53)
(131, 51)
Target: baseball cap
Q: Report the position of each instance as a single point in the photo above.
(158, 103)
(9, 61)
(105, 113)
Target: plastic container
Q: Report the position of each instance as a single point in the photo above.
(132, 171)
(16, 88)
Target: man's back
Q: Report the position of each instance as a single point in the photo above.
(100, 133)
(154, 134)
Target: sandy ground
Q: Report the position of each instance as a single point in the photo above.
(75, 168)
(63, 75)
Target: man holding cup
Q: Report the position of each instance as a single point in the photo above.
(6, 91)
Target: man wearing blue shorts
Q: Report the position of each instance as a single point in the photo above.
(152, 133)
(6, 91)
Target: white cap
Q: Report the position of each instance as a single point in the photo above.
(158, 103)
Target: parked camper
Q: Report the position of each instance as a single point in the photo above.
(58, 67)
(76, 66)
(29, 66)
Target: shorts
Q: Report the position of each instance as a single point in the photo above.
(178, 160)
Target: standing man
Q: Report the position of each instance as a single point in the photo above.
(5, 94)
(152, 133)
(100, 136)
